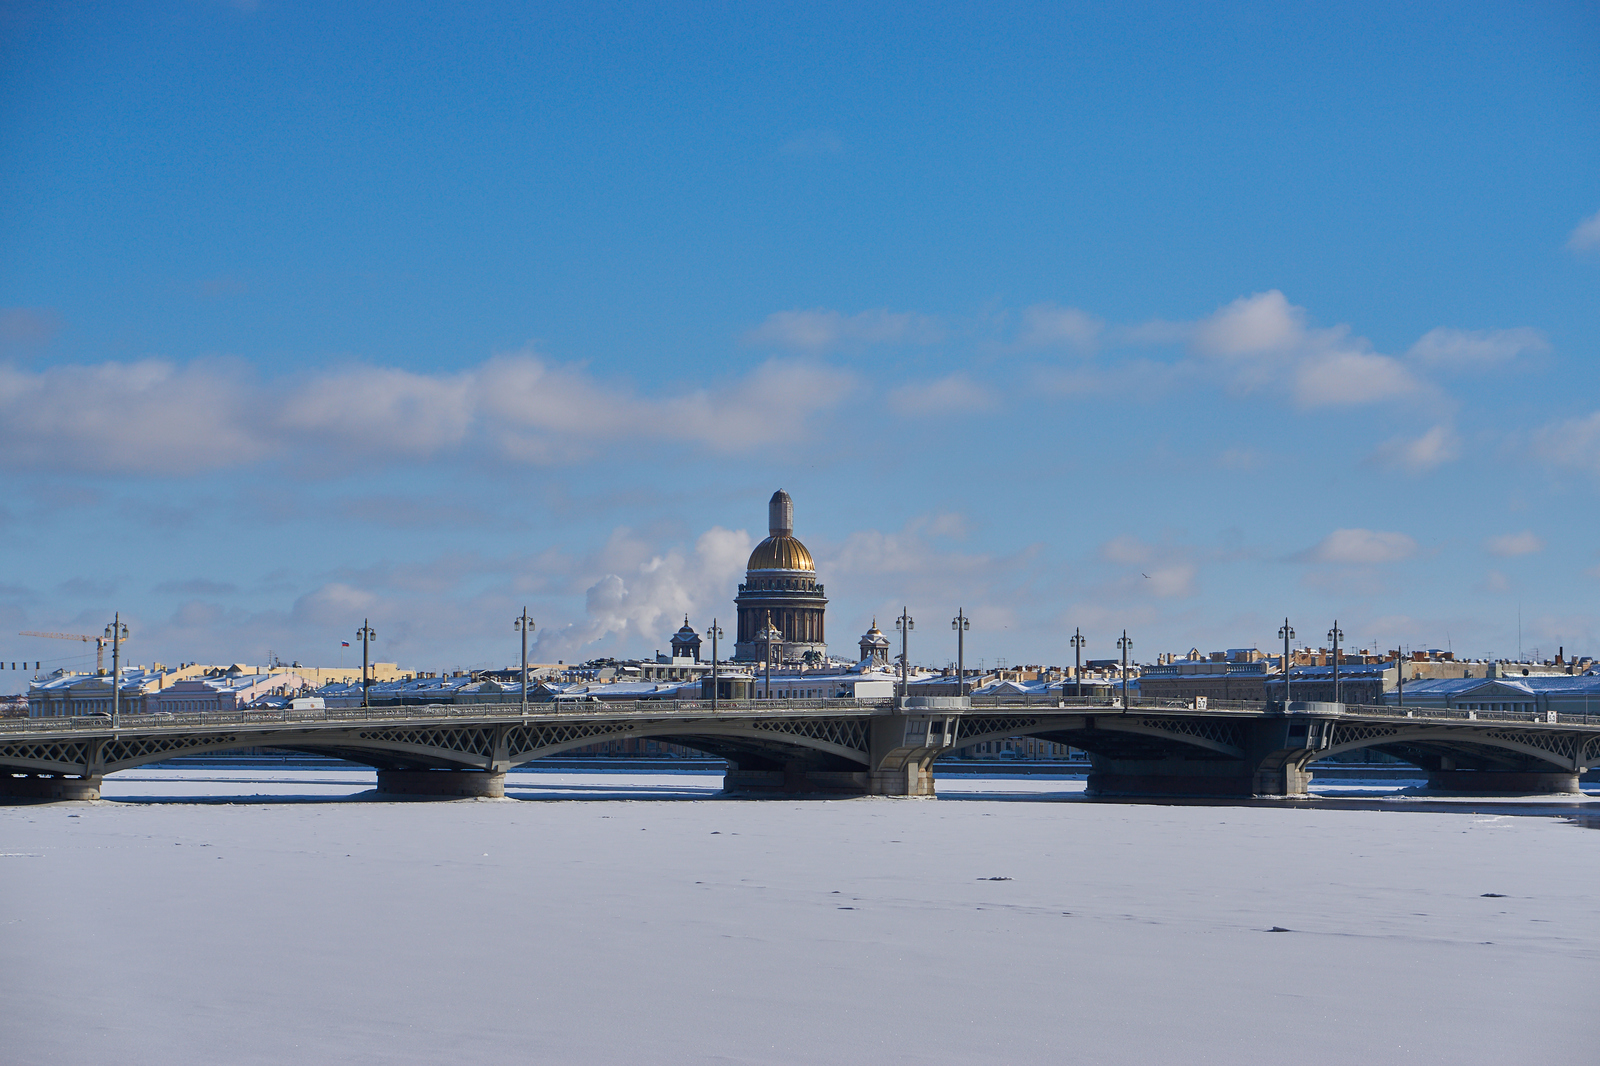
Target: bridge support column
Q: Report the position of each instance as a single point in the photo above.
(905, 744)
(49, 787)
(1291, 779)
(443, 784)
(1503, 782)
(911, 780)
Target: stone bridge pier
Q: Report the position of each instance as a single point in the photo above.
(900, 748)
(904, 746)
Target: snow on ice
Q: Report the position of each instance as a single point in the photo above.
(212, 917)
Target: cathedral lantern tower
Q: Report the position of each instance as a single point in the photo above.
(781, 580)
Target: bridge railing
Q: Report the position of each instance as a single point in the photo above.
(432, 712)
(566, 710)
(558, 709)
(1463, 714)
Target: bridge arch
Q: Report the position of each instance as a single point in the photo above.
(1115, 735)
(1424, 744)
(773, 740)
(840, 743)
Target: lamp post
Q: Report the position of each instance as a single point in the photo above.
(364, 634)
(1287, 633)
(767, 643)
(1077, 662)
(716, 681)
(1335, 635)
(116, 632)
(904, 625)
(1125, 644)
(524, 625)
(961, 623)
(1400, 672)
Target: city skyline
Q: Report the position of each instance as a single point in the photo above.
(314, 317)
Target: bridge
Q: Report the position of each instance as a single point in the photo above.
(841, 747)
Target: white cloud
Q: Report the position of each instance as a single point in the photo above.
(381, 411)
(1361, 547)
(1574, 442)
(646, 593)
(1419, 455)
(148, 416)
(1512, 544)
(1475, 348)
(1252, 325)
(156, 417)
(821, 330)
(1351, 377)
(957, 392)
(1048, 325)
(1585, 237)
(1263, 339)
(1155, 332)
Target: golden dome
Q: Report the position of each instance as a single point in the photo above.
(781, 552)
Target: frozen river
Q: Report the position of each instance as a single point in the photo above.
(205, 916)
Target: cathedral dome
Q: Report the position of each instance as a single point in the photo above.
(781, 553)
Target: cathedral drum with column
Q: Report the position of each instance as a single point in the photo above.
(781, 582)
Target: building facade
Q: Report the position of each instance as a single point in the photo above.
(781, 585)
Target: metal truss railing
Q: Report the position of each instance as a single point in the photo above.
(510, 712)
(577, 710)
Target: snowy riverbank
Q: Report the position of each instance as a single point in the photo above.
(234, 925)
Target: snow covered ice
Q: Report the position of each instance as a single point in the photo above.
(634, 926)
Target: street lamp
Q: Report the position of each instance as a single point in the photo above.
(364, 634)
(1125, 644)
(116, 632)
(770, 639)
(1335, 635)
(961, 623)
(1287, 633)
(716, 682)
(524, 625)
(1077, 662)
(904, 625)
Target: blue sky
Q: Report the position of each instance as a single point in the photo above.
(1180, 318)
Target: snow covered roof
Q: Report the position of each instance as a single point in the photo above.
(1548, 684)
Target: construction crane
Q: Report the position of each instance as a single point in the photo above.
(99, 645)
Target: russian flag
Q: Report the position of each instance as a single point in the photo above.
(344, 644)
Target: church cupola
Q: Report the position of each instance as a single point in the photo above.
(874, 647)
(686, 642)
